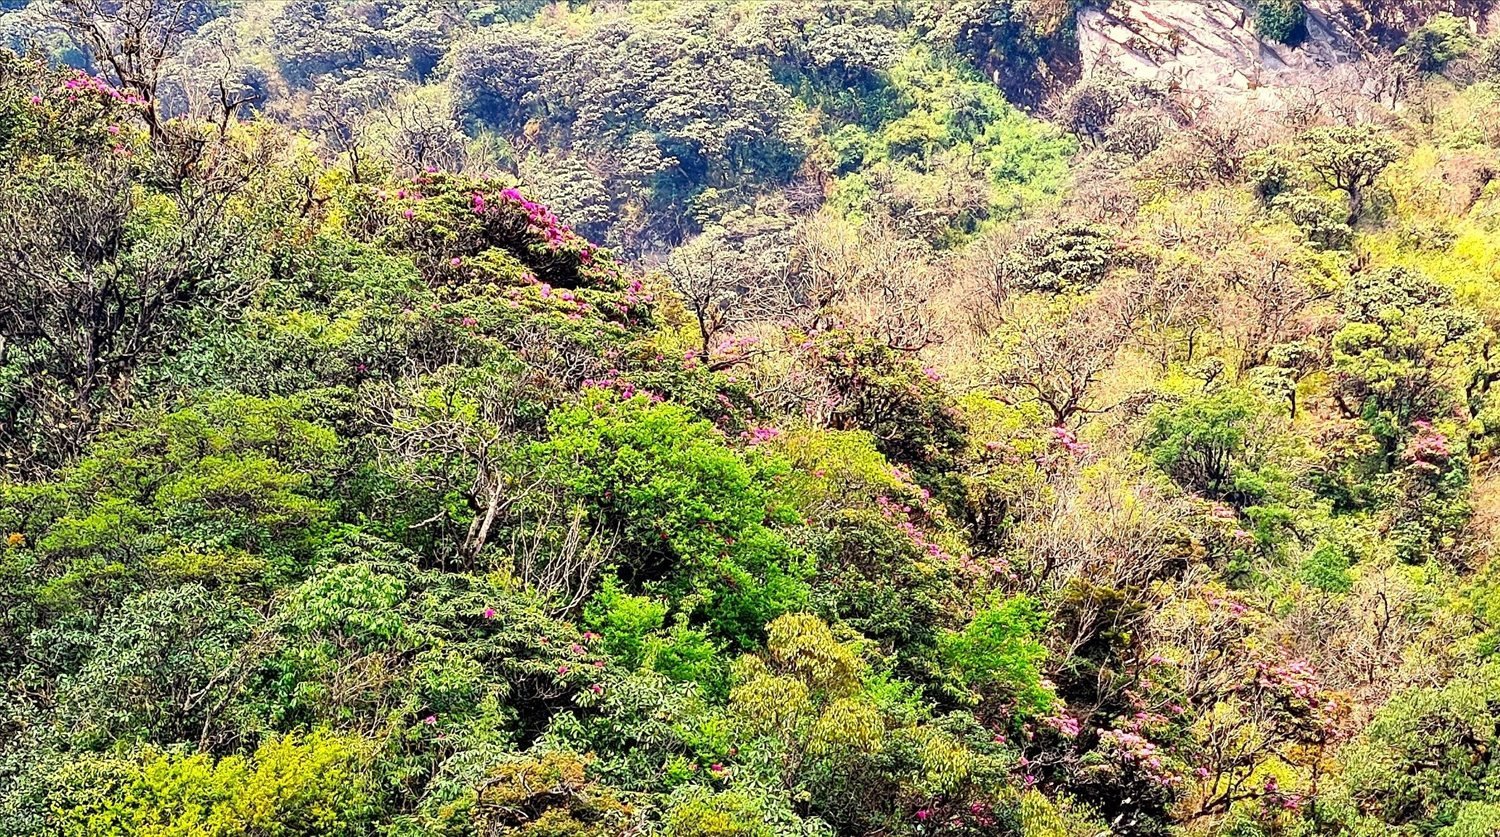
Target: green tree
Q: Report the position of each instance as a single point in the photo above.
(1284, 21)
(695, 519)
(1349, 159)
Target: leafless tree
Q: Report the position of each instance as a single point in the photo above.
(135, 40)
(562, 570)
(872, 277)
(1057, 360)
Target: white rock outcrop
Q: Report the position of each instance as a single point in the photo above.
(1208, 45)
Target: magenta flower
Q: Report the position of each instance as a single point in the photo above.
(489, 613)
(455, 261)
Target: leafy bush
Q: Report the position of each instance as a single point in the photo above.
(1442, 39)
(317, 784)
(997, 656)
(1284, 21)
(691, 513)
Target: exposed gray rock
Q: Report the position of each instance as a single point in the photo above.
(1209, 46)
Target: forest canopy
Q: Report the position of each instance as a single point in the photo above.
(741, 419)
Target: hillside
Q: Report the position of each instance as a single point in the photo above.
(749, 419)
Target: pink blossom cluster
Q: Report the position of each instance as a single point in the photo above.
(634, 296)
(975, 814)
(733, 349)
(1066, 725)
(1428, 449)
(539, 218)
(404, 194)
(1273, 796)
(760, 435)
(584, 658)
(625, 389)
(572, 301)
(1223, 513)
(901, 514)
(1144, 754)
(80, 83)
(1295, 677)
(1065, 439)
(1233, 607)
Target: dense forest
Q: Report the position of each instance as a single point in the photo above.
(745, 418)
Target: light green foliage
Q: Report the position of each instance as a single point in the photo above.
(1214, 444)
(317, 784)
(349, 604)
(1415, 765)
(723, 814)
(997, 657)
(1327, 569)
(1404, 352)
(1475, 819)
(219, 491)
(690, 511)
(1348, 159)
(956, 156)
(1442, 39)
(1321, 219)
(625, 621)
(548, 796)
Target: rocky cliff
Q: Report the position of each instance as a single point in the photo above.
(1211, 45)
